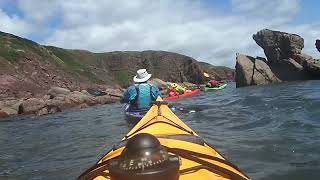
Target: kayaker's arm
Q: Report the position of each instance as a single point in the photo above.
(155, 92)
(129, 95)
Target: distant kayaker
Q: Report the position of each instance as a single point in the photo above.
(212, 83)
(174, 87)
(318, 44)
(141, 94)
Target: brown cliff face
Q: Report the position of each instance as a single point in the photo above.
(28, 69)
(163, 65)
(218, 72)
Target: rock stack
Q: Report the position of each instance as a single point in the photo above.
(285, 61)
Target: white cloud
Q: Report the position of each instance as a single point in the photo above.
(39, 11)
(13, 24)
(184, 26)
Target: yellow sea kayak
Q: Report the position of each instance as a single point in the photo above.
(193, 158)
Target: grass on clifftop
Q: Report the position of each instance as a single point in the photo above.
(12, 47)
(68, 60)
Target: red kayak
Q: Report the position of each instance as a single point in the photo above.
(186, 94)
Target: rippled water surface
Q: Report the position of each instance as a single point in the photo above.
(270, 132)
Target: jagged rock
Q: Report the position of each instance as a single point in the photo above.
(262, 73)
(54, 110)
(285, 61)
(292, 65)
(77, 97)
(278, 45)
(58, 91)
(313, 66)
(47, 97)
(3, 114)
(31, 105)
(188, 84)
(85, 92)
(301, 58)
(251, 71)
(159, 83)
(6, 112)
(43, 111)
(289, 70)
(114, 92)
(83, 105)
(57, 104)
(244, 70)
(105, 99)
(218, 72)
(89, 100)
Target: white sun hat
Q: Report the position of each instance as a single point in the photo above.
(142, 76)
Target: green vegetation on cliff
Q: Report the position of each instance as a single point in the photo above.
(28, 66)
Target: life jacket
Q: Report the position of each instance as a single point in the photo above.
(214, 83)
(178, 88)
(143, 98)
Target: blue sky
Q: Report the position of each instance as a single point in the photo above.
(208, 30)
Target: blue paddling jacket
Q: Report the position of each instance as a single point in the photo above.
(140, 96)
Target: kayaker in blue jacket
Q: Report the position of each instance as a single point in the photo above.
(141, 94)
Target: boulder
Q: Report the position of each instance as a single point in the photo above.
(159, 83)
(301, 58)
(54, 102)
(292, 65)
(3, 114)
(105, 99)
(58, 91)
(285, 61)
(278, 45)
(43, 111)
(244, 70)
(83, 105)
(289, 70)
(262, 73)
(313, 67)
(253, 71)
(85, 92)
(117, 93)
(188, 84)
(31, 105)
(77, 97)
(7, 111)
(47, 97)
(54, 110)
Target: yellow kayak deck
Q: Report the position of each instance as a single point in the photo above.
(198, 159)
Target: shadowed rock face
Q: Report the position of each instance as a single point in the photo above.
(318, 44)
(278, 45)
(163, 65)
(253, 71)
(244, 70)
(285, 61)
(218, 72)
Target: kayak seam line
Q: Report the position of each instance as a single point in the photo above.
(180, 127)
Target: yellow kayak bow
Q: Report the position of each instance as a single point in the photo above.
(198, 160)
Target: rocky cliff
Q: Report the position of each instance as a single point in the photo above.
(285, 61)
(218, 72)
(28, 69)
